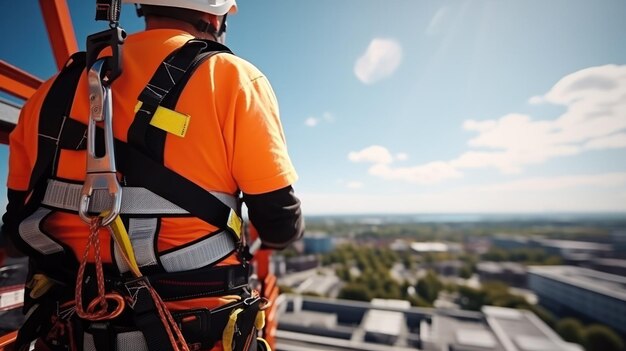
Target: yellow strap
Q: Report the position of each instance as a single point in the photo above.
(259, 321)
(39, 285)
(229, 331)
(235, 223)
(265, 345)
(123, 242)
(168, 120)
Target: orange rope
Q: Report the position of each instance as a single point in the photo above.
(101, 300)
(97, 309)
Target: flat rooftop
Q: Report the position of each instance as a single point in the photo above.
(519, 330)
(575, 245)
(599, 282)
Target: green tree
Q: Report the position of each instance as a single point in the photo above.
(356, 292)
(471, 299)
(429, 287)
(343, 273)
(465, 272)
(570, 329)
(602, 338)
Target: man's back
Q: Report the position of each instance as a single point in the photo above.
(233, 140)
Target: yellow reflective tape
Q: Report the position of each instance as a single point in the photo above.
(235, 223)
(168, 120)
(259, 321)
(229, 332)
(123, 242)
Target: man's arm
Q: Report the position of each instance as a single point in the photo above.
(276, 216)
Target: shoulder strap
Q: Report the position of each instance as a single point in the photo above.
(52, 121)
(141, 159)
(164, 89)
(54, 111)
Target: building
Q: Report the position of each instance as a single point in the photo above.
(307, 323)
(618, 239)
(510, 242)
(571, 248)
(589, 294)
(608, 265)
(450, 268)
(317, 243)
(511, 273)
(435, 247)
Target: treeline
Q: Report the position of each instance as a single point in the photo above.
(461, 232)
(529, 256)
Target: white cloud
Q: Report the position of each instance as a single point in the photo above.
(594, 119)
(401, 156)
(311, 122)
(536, 100)
(373, 154)
(574, 193)
(314, 121)
(615, 141)
(354, 185)
(380, 60)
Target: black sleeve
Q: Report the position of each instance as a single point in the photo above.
(11, 220)
(276, 216)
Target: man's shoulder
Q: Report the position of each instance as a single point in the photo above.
(236, 66)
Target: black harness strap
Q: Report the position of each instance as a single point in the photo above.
(56, 106)
(52, 120)
(144, 171)
(147, 170)
(178, 65)
(54, 111)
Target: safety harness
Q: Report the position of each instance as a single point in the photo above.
(130, 315)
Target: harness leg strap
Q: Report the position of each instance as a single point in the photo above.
(146, 316)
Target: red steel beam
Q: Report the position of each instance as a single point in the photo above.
(16, 82)
(56, 15)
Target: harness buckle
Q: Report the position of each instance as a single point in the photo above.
(101, 172)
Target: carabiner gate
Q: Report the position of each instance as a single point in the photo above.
(101, 172)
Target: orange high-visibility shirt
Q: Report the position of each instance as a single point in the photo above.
(234, 139)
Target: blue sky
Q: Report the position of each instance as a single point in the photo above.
(426, 106)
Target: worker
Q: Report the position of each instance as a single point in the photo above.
(197, 132)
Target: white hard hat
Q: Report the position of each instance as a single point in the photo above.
(215, 7)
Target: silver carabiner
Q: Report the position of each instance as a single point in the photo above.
(101, 172)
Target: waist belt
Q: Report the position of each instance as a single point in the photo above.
(202, 328)
(206, 282)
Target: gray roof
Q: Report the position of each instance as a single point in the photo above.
(599, 282)
(520, 330)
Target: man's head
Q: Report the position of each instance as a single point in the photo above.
(206, 17)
